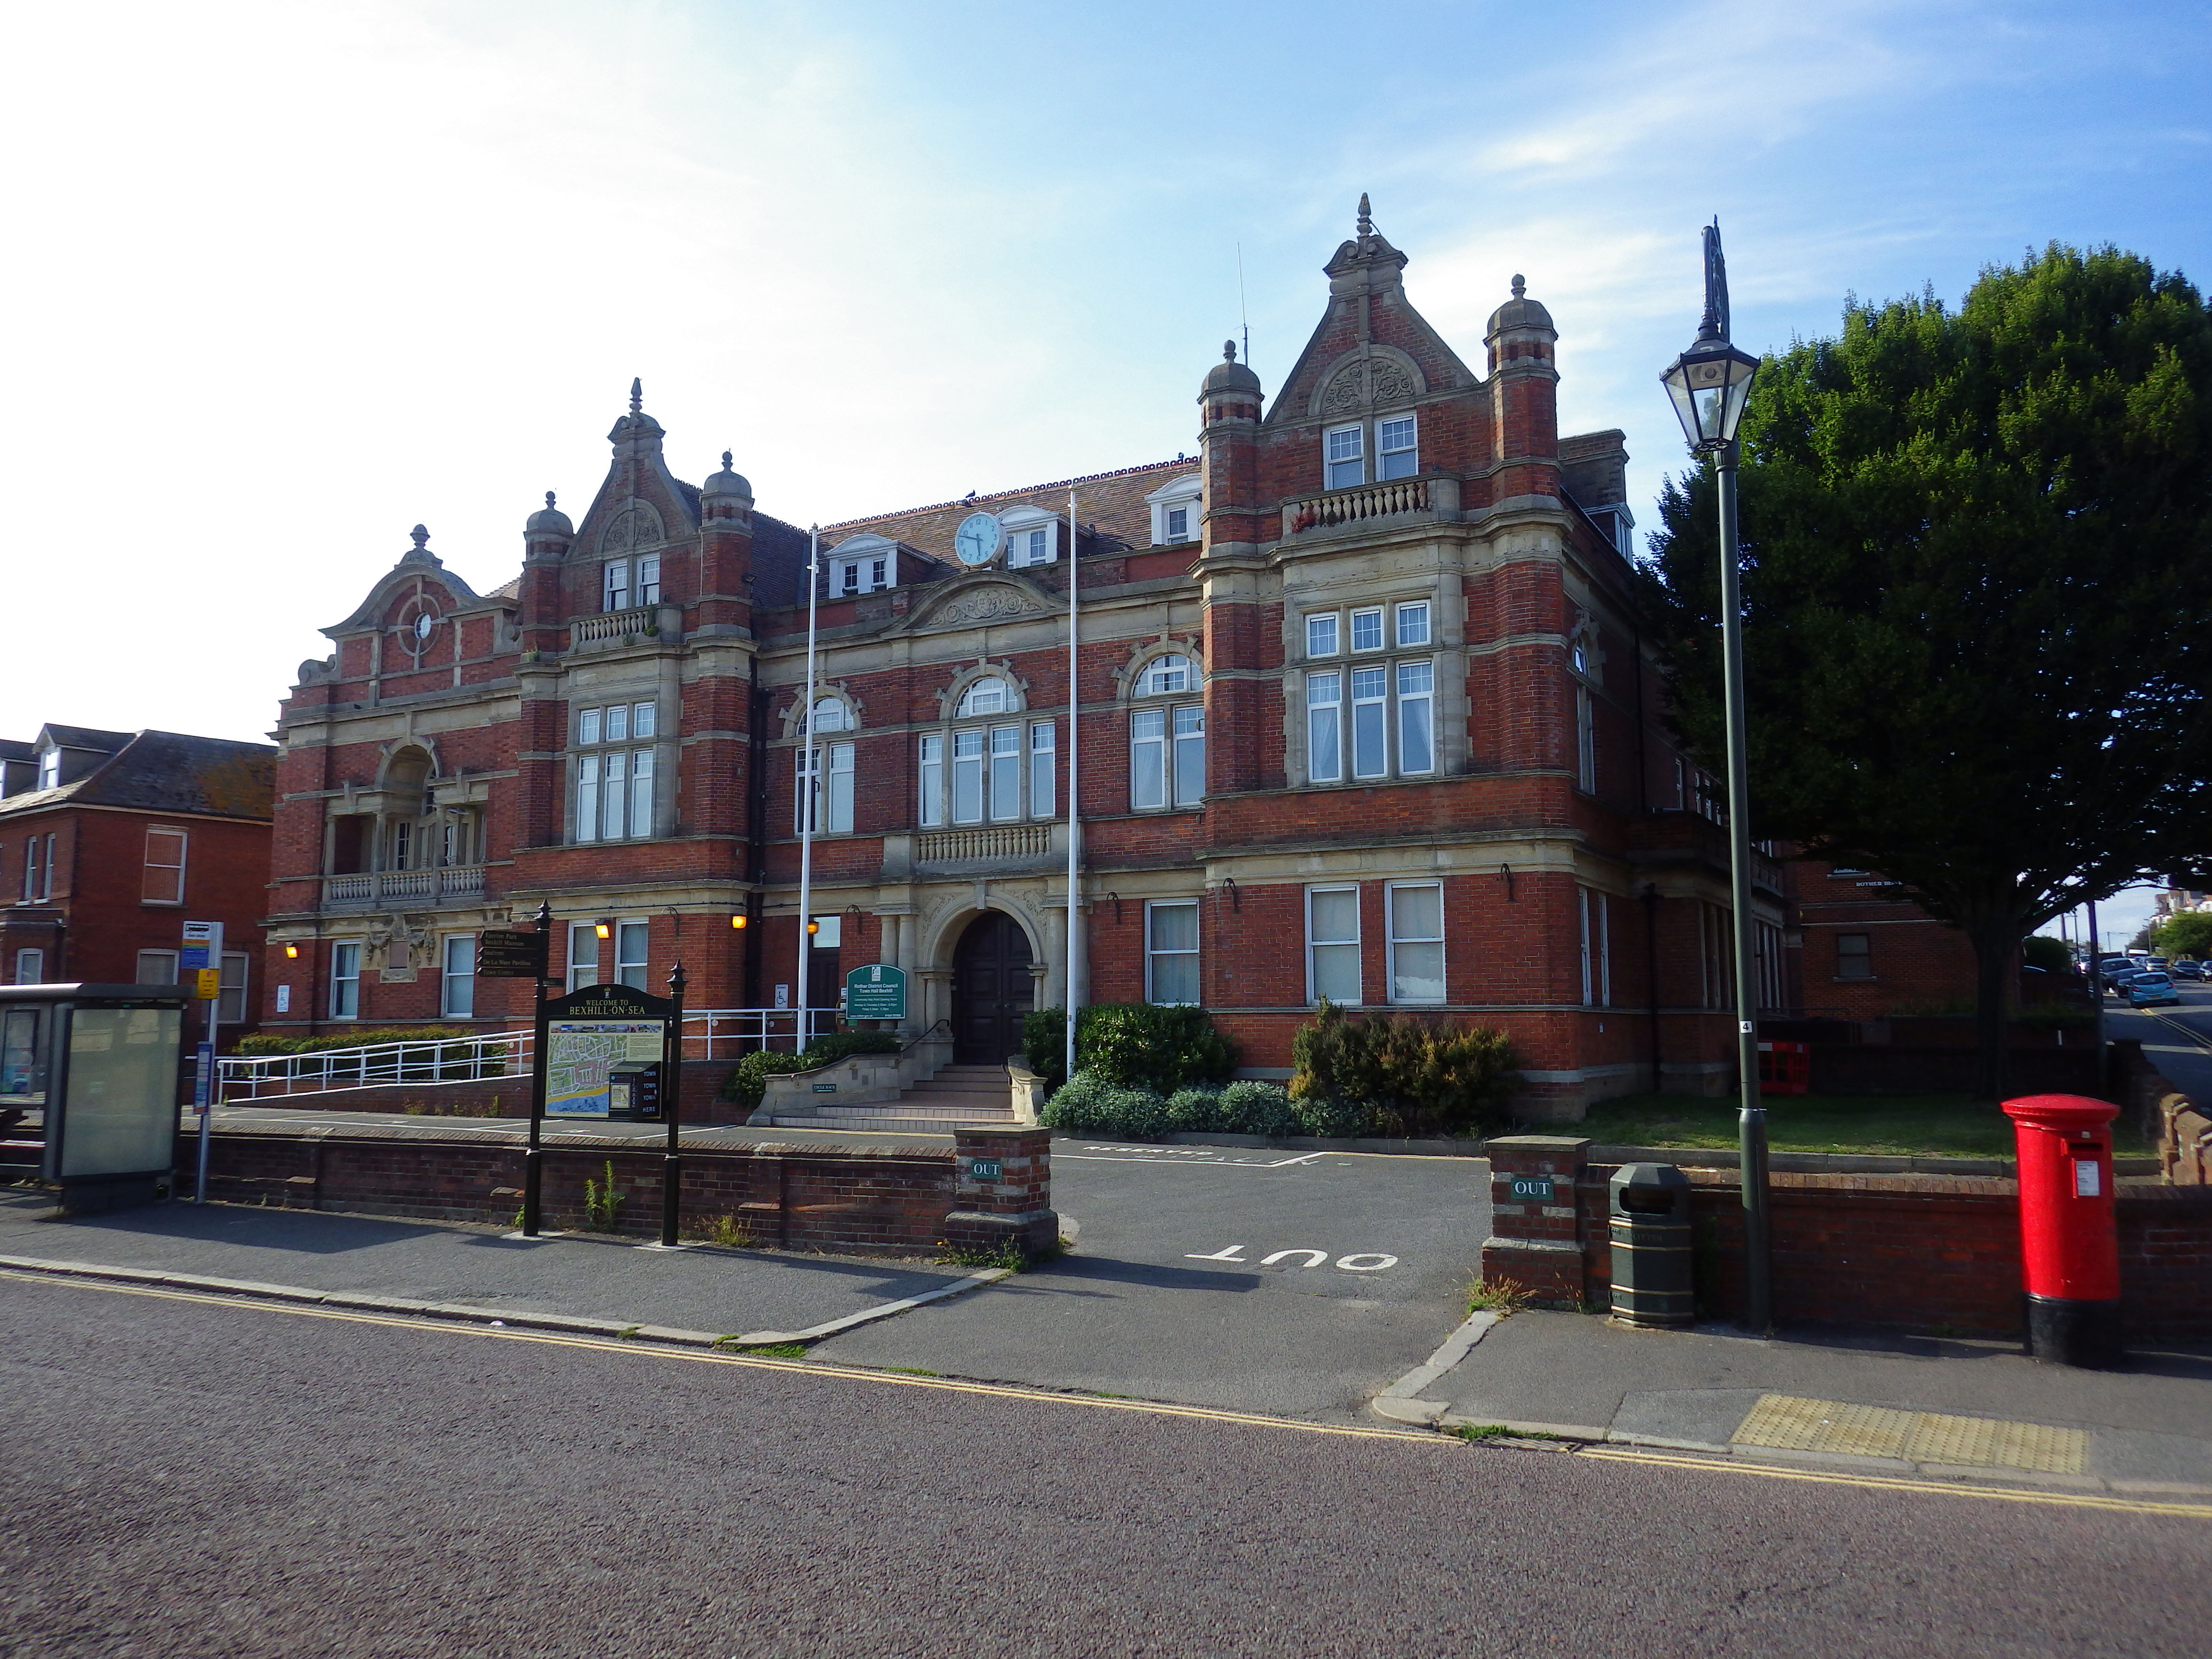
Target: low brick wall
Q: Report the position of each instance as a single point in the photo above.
(906, 1200)
(1934, 1253)
(1881, 1068)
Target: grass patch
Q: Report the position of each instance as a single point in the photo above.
(770, 1350)
(1925, 1126)
(1480, 1433)
(1501, 1297)
(1006, 1253)
(726, 1231)
(912, 1371)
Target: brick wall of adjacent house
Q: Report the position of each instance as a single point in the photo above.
(904, 1202)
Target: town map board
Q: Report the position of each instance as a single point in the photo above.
(580, 1053)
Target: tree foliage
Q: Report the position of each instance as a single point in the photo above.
(2189, 934)
(1978, 591)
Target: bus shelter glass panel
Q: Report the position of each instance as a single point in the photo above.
(22, 1057)
(122, 1113)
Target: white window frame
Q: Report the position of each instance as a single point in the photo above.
(1370, 614)
(1370, 674)
(345, 979)
(1325, 695)
(870, 573)
(46, 878)
(647, 585)
(587, 798)
(31, 965)
(644, 719)
(1420, 636)
(968, 765)
(614, 586)
(641, 783)
(175, 890)
(587, 726)
(1154, 952)
(972, 706)
(1315, 945)
(1002, 753)
(1148, 759)
(1187, 754)
(633, 943)
(30, 868)
(1401, 460)
(1585, 740)
(1178, 522)
(1324, 634)
(456, 987)
(1044, 768)
(1336, 457)
(1171, 674)
(234, 975)
(1395, 940)
(1023, 525)
(929, 769)
(1423, 699)
(1186, 494)
(826, 788)
(617, 729)
(50, 768)
(586, 935)
(614, 796)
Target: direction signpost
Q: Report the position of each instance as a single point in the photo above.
(200, 967)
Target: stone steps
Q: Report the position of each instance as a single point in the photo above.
(957, 1095)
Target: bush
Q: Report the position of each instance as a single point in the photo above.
(1138, 1044)
(1253, 1108)
(2051, 955)
(1428, 1076)
(265, 1042)
(1089, 1103)
(1195, 1111)
(748, 1082)
(1333, 1119)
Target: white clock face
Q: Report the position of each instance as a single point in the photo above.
(978, 538)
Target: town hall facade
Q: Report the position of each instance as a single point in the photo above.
(1364, 714)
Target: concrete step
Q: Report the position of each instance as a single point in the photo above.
(883, 1126)
(999, 1114)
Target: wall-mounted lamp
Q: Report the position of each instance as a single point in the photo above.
(1116, 897)
(1236, 898)
(738, 920)
(1505, 874)
(604, 929)
(812, 925)
(292, 952)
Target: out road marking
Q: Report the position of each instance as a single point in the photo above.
(1359, 1261)
(1210, 1156)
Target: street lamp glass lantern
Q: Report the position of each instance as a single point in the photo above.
(1709, 384)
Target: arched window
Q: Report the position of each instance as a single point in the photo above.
(987, 696)
(1164, 676)
(830, 714)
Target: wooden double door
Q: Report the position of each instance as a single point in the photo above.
(992, 990)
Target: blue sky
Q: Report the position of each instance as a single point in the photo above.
(307, 273)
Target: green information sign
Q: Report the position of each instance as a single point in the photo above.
(984, 1168)
(876, 992)
(1536, 1187)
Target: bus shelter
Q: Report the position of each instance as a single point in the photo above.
(88, 1077)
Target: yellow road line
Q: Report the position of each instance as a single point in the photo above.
(1893, 1483)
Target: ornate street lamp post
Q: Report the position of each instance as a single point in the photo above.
(1709, 384)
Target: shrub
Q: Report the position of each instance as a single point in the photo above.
(748, 1081)
(1432, 1077)
(266, 1042)
(1196, 1109)
(2051, 955)
(1333, 1119)
(1253, 1108)
(1139, 1045)
(1089, 1103)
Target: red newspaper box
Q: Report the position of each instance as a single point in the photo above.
(2070, 1248)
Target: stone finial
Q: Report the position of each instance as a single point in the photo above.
(549, 500)
(1229, 351)
(1520, 285)
(725, 460)
(1366, 218)
(421, 537)
(637, 394)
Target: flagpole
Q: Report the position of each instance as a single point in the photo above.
(806, 784)
(1074, 814)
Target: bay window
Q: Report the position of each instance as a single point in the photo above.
(614, 788)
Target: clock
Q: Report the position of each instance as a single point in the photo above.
(978, 538)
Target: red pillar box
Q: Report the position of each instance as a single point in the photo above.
(2068, 1246)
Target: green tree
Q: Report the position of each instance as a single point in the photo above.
(1978, 590)
(2189, 934)
(2047, 953)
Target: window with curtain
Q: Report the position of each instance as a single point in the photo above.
(345, 979)
(1043, 763)
(1171, 951)
(164, 881)
(1325, 727)
(230, 1006)
(456, 977)
(1333, 945)
(1167, 745)
(583, 955)
(630, 955)
(1416, 915)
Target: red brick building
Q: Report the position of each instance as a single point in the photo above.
(1363, 712)
(110, 840)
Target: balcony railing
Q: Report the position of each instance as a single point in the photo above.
(1429, 494)
(373, 887)
(1002, 840)
(638, 621)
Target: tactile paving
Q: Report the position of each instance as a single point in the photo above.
(1786, 1423)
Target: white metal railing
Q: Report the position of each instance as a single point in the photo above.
(709, 1034)
(1375, 500)
(615, 625)
(1005, 841)
(374, 887)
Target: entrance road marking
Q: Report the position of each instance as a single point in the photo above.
(1378, 1261)
(1144, 1408)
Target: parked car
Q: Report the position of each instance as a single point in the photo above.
(2186, 968)
(2151, 991)
(2156, 965)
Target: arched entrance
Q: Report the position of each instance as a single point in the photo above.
(992, 990)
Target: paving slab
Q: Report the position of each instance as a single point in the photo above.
(581, 1276)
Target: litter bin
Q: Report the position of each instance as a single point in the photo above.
(1648, 1224)
(2069, 1246)
(634, 1094)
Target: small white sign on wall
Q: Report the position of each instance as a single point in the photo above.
(284, 998)
(783, 996)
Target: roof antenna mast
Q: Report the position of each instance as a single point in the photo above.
(1244, 320)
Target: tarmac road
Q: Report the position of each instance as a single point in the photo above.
(2178, 1041)
(192, 1477)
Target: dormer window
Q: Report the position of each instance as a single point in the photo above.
(1032, 537)
(632, 581)
(1175, 511)
(866, 563)
(50, 768)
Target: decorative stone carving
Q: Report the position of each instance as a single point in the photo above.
(634, 524)
(1392, 384)
(397, 950)
(1346, 392)
(992, 603)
